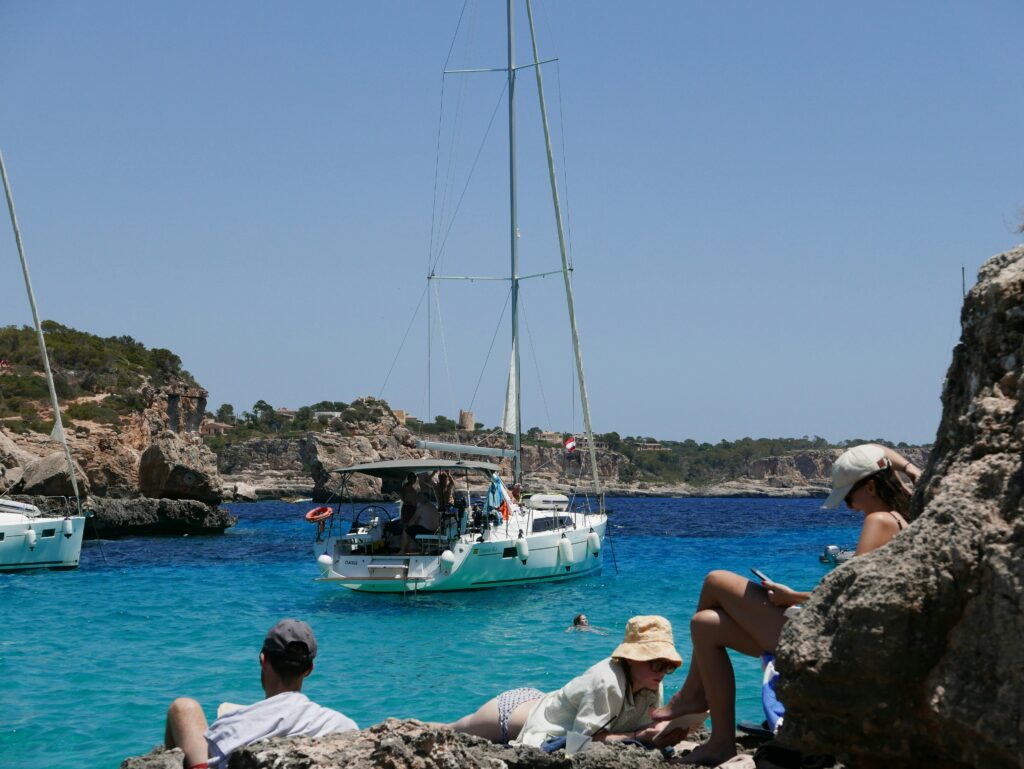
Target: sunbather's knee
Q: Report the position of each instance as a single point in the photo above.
(184, 707)
(703, 623)
(719, 578)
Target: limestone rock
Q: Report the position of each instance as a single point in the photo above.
(11, 454)
(243, 492)
(912, 656)
(411, 744)
(147, 517)
(179, 467)
(49, 476)
(10, 478)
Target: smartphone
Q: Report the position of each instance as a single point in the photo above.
(760, 575)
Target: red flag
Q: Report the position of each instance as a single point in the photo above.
(570, 443)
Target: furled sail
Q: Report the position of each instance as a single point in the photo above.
(510, 421)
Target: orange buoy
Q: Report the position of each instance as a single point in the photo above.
(319, 514)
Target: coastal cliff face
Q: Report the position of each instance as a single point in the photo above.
(282, 467)
(151, 455)
(912, 656)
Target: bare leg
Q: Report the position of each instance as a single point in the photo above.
(747, 604)
(186, 724)
(484, 722)
(713, 631)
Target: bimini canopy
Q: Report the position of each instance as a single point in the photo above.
(397, 469)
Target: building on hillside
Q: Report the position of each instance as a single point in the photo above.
(549, 436)
(466, 421)
(213, 428)
(649, 446)
(326, 415)
(286, 414)
(583, 445)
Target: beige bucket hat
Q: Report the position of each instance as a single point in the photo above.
(648, 638)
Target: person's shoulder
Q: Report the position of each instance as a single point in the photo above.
(608, 672)
(336, 721)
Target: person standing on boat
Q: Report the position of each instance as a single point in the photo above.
(285, 660)
(410, 499)
(736, 613)
(609, 702)
(444, 490)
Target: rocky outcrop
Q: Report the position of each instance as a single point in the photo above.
(49, 476)
(114, 518)
(179, 467)
(911, 656)
(272, 467)
(410, 744)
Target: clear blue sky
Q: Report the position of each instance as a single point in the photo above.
(770, 203)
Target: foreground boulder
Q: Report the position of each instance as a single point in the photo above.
(913, 656)
(49, 476)
(179, 466)
(114, 518)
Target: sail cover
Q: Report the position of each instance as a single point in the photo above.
(510, 421)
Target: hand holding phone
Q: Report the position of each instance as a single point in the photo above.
(760, 575)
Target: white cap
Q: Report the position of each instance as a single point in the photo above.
(854, 465)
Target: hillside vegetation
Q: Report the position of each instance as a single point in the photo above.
(83, 365)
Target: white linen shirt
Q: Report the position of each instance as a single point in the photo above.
(598, 699)
(283, 715)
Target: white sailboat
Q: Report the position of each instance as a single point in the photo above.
(29, 538)
(482, 540)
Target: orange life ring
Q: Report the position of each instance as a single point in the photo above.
(319, 514)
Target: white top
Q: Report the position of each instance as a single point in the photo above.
(598, 699)
(283, 715)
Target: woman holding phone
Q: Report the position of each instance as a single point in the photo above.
(612, 701)
(735, 613)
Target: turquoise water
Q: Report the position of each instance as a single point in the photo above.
(90, 659)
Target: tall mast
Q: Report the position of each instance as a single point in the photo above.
(584, 401)
(58, 426)
(517, 468)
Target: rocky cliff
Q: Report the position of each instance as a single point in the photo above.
(150, 454)
(911, 656)
(273, 467)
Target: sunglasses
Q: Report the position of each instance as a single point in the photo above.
(661, 666)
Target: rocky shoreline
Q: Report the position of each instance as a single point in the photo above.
(411, 744)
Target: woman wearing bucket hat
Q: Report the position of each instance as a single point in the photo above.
(736, 613)
(610, 701)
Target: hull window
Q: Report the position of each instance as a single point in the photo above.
(547, 524)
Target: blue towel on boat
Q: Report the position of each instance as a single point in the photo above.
(494, 497)
(773, 709)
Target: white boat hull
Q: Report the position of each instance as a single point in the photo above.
(476, 565)
(50, 547)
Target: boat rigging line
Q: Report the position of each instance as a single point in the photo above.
(408, 329)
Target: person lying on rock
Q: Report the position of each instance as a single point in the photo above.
(611, 701)
(285, 660)
(736, 613)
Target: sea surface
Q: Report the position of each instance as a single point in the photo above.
(90, 659)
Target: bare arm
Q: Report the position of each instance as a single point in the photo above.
(902, 464)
